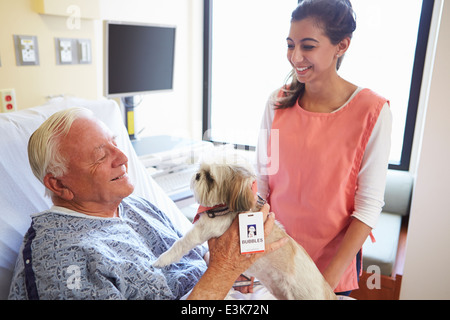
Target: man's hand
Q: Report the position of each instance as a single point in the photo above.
(226, 263)
(225, 250)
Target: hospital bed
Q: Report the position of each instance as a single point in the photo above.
(21, 194)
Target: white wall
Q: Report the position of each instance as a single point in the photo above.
(34, 83)
(178, 112)
(427, 260)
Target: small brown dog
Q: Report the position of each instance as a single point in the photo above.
(224, 188)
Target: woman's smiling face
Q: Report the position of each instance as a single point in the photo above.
(310, 51)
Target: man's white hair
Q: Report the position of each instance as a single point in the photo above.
(44, 145)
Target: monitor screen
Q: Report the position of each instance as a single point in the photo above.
(139, 58)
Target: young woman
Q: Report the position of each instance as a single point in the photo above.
(324, 146)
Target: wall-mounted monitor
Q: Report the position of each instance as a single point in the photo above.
(139, 58)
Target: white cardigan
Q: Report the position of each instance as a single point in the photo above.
(369, 198)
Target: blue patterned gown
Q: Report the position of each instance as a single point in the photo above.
(67, 255)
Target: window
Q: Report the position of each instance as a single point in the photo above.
(245, 61)
(247, 51)
(388, 57)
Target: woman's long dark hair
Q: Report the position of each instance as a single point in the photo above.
(337, 19)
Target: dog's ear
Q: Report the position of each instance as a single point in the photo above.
(204, 176)
(203, 184)
(241, 197)
(209, 179)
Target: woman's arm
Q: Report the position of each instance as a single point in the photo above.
(263, 163)
(355, 237)
(369, 196)
(368, 199)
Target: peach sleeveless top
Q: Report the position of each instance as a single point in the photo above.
(313, 191)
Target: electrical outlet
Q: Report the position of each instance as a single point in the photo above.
(27, 52)
(65, 50)
(84, 51)
(8, 100)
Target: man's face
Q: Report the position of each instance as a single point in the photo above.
(97, 169)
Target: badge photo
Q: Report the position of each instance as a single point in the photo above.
(251, 232)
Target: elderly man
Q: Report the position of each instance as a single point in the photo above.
(97, 241)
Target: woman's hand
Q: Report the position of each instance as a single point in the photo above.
(245, 288)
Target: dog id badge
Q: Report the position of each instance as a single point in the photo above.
(251, 232)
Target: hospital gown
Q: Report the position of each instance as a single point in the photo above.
(68, 255)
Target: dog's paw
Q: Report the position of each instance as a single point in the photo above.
(162, 261)
(158, 264)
